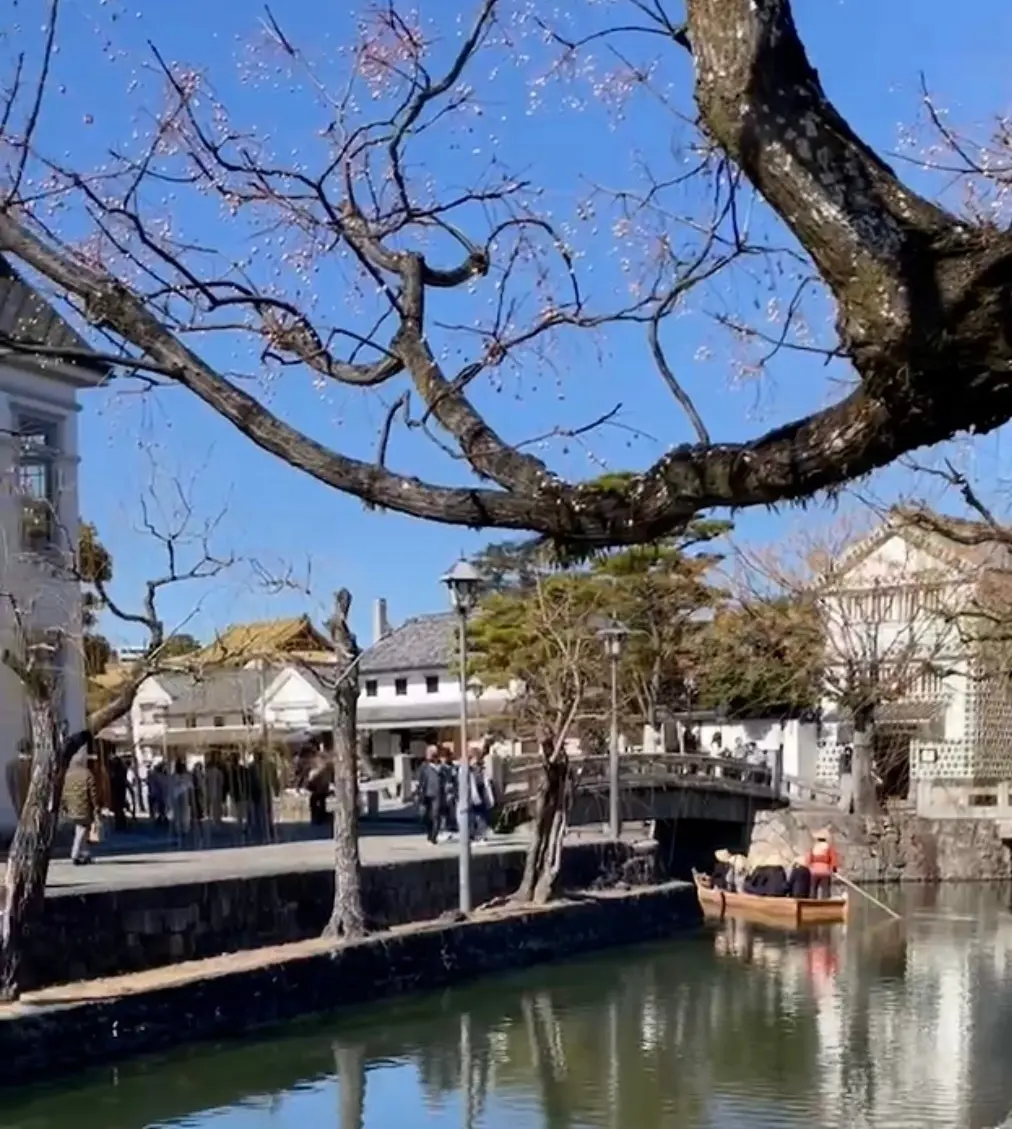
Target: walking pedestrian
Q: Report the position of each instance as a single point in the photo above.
(430, 794)
(482, 799)
(80, 805)
(450, 777)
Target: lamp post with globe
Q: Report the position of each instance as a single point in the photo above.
(463, 582)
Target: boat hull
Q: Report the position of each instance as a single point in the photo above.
(790, 913)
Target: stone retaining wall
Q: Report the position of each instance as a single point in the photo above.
(895, 847)
(39, 1042)
(108, 933)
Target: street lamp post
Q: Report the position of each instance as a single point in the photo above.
(463, 582)
(613, 635)
(690, 689)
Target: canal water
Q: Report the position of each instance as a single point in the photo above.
(877, 1026)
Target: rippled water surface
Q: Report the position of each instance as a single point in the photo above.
(877, 1026)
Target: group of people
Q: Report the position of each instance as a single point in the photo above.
(767, 874)
(436, 794)
(188, 798)
(175, 796)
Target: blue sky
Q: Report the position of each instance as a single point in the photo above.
(870, 55)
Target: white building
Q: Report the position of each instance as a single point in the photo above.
(906, 599)
(410, 690)
(39, 515)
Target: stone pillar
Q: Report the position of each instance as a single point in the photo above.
(495, 766)
(403, 777)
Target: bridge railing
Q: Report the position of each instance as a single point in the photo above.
(649, 770)
(812, 792)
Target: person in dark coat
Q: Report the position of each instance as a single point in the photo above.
(768, 881)
(430, 793)
(80, 804)
(800, 880)
(118, 787)
(450, 775)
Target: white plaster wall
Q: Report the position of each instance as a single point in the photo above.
(52, 602)
(416, 692)
(292, 701)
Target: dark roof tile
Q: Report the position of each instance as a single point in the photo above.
(425, 642)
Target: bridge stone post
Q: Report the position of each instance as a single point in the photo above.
(778, 771)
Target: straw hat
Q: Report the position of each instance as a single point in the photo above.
(722, 855)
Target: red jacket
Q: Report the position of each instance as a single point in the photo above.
(823, 860)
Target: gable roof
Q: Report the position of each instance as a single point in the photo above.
(319, 676)
(424, 642)
(29, 319)
(243, 642)
(989, 554)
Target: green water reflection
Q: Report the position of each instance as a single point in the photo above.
(734, 1028)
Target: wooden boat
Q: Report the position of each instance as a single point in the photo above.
(790, 913)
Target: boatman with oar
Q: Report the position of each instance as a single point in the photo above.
(823, 862)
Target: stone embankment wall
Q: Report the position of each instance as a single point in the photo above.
(894, 847)
(108, 933)
(42, 1040)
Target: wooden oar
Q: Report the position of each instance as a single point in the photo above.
(864, 894)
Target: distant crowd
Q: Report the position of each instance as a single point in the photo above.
(182, 800)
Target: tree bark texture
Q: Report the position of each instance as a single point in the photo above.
(28, 860)
(347, 918)
(544, 855)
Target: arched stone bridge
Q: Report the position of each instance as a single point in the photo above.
(654, 786)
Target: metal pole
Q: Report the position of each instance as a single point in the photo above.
(464, 780)
(614, 813)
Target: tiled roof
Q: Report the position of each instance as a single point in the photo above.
(217, 692)
(243, 642)
(28, 318)
(425, 642)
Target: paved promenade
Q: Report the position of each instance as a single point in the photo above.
(170, 868)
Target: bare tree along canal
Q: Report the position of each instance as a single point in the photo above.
(733, 1028)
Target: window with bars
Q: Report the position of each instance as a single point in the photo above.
(931, 683)
(37, 452)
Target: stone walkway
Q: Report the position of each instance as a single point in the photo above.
(163, 868)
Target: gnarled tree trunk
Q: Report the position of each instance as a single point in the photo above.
(544, 855)
(347, 918)
(27, 871)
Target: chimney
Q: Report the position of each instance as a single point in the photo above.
(380, 623)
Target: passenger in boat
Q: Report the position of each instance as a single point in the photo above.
(823, 862)
(721, 875)
(800, 879)
(767, 879)
(738, 875)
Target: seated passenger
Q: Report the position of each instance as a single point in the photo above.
(769, 881)
(800, 880)
(721, 870)
(739, 873)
